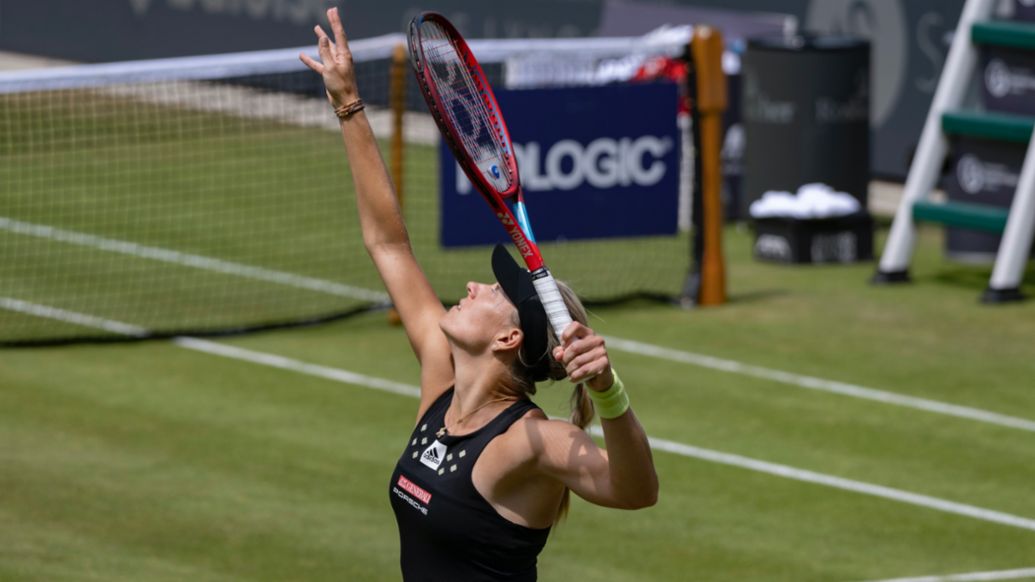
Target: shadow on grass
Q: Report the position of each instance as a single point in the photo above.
(757, 296)
(973, 277)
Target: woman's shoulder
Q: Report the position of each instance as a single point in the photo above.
(537, 419)
(535, 434)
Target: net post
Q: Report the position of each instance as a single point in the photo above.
(692, 285)
(709, 102)
(396, 159)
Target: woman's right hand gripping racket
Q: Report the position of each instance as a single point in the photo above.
(465, 109)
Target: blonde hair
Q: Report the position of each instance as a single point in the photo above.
(520, 378)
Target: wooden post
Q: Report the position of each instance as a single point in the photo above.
(706, 51)
(397, 104)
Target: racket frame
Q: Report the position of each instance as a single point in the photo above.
(513, 216)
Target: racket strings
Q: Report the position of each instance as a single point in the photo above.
(463, 103)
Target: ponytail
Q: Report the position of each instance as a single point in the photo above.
(580, 404)
(581, 416)
(520, 378)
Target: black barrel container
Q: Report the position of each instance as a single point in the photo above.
(806, 111)
(1024, 10)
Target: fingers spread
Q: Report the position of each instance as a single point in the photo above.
(312, 64)
(337, 28)
(323, 47)
(322, 37)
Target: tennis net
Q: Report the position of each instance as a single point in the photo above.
(210, 195)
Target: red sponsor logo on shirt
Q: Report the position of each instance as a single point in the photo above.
(414, 490)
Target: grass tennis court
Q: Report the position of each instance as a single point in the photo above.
(155, 462)
(814, 428)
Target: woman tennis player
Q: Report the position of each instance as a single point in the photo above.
(485, 473)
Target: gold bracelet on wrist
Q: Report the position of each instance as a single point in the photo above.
(344, 112)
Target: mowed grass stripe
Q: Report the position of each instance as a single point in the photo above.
(1016, 574)
(819, 384)
(45, 551)
(714, 522)
(206, 465)
(657, 443)
(622, 344)
(281, 362)
(940, 456)
(158, 296)
(338, 375)
(190, 260)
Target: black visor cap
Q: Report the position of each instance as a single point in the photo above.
(516, 283)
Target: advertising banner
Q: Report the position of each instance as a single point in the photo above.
(595, 162)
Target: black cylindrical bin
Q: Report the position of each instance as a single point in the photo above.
(806, 110)
(1024, 10)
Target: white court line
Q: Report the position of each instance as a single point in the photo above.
(631, 346)
(789, 472)
(197, 261)
(813, 383)
(209, 347)
(338, 375)
(292, 365)
(82, 319)
(970, 576)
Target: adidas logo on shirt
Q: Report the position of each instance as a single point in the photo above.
(433, 455)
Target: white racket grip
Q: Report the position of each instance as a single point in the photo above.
(553, 303)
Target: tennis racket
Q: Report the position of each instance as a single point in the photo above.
(464, 107)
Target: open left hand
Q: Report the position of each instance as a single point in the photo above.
(584, 357)
(336, 66)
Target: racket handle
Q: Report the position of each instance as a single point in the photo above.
(553, 303)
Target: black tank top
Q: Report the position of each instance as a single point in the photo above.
(447, 530)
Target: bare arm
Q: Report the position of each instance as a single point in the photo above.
(621, 476)
(384, 233)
